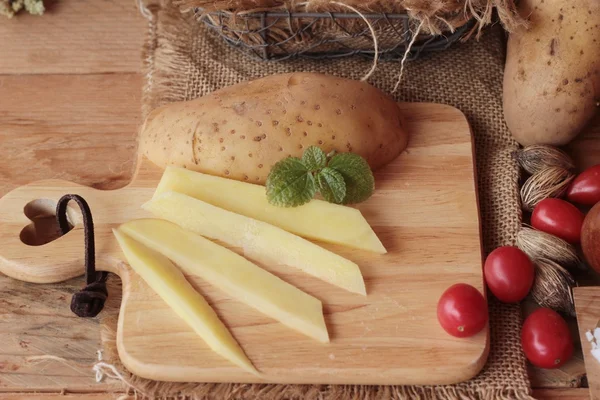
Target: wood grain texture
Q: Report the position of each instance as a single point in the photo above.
(391, 336)
(57, 126)
(74, 37)
(53, 125)
(35, 321)
(542, 394)
(62, 396)
(585, 150)
(81, 128)
(587, 306)
(569, 375)
(561, 394)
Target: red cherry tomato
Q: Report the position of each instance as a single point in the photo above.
(559, 218)
(546, 339)
(509, 274)
(462, 311)
(585, 189)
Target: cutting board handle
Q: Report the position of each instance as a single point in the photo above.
(28, 210)
(25, 213)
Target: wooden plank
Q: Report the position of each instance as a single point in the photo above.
(61, 122)
(74, 37)
(585, 149)
(587, 306)
(569, 375)
(62, 396)
(541, 394)
(52, 124)
(44, 346)
(561, 394)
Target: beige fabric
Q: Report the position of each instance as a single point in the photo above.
(184, 62)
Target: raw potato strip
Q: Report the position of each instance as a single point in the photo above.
(318, 220)
(168, 282)
(259, 240)
(233, 274)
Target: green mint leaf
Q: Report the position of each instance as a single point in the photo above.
(357, 174)
(314, 158)
(290, 183)
(331, 185)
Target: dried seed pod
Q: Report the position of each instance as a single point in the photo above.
(553, 287)
(540, 245)
(539, 157)
(550, 182)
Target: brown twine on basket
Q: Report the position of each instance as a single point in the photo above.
(435, 15)
(373, 35)
(290, 36)
(258, 41)
(403, 62)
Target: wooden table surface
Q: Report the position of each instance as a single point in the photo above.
(70, 83)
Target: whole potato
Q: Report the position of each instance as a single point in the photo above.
(241, 131)
(552, 74)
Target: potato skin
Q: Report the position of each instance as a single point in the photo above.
(552, 73)
(241, 131)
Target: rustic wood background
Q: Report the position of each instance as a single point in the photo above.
(70, 84)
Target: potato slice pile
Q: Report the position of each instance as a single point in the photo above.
(169, 283)
(194, 208)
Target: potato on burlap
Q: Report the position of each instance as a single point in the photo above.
(241, 131)
(552, 74)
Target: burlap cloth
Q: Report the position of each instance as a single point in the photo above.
(183, 62)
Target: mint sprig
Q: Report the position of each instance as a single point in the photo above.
(331, 185)
(340, 178)
(290, 183)
(357, 174)
(314, 158)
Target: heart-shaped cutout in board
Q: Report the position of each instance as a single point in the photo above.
(32, 249)
(44, 227)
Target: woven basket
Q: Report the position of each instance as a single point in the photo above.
(279, 35)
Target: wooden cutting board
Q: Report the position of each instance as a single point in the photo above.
(424, 211)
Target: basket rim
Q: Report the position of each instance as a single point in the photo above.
(294, 14)
(430, 43)
(323, 15)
